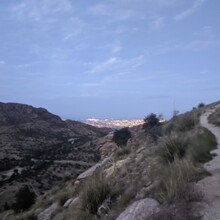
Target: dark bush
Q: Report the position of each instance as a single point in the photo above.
(25, 198)
(152, 126)
(150, 122)
(200, 105)
(121, 136)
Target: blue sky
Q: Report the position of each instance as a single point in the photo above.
(110, 59)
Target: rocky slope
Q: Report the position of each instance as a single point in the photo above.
(39, 148)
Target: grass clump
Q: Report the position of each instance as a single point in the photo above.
(186, 122)
(95, 191)
(201, 145)
(121, 152)
(214, 118)
(175, 180)
(172, 147)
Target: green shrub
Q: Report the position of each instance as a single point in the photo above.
(94, 192)
(200, 146)
(172, 147)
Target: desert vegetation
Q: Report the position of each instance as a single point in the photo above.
(215, 117)
(164, 168)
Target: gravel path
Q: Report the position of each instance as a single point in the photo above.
(210, 186)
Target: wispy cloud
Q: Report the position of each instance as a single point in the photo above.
(73, 27)
(118, 14)
(206, 40)
(158, 22)
(198, 45)
(38, 10)
(116, 49)
(196, 4)
(115, 63)
(2, 62)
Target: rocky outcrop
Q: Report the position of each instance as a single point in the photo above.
(71, 202)
(47, 213)
(92, 169)
(140, 210)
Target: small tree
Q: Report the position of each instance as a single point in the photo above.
(200, 105)
(152, 126)
(150, 122)
(121, 136)
(25, 198)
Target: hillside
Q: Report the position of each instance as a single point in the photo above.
(38, 148)
(156, 175)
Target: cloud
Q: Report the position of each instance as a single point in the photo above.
(116, 49)
(198, 45)
(196, 4)
(158, 22)
(206, 40)
(118, 14)
(105, 65)
(73, 27)
(2, 62)
(39, 10)
(116, 64)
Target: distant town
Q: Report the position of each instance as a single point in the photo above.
(113, 123)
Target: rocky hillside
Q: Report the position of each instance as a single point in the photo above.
(39, 148)
(152, 176)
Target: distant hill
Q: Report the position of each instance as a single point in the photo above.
(39, 148)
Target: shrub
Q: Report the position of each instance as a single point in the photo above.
(95, 191)
(25, 198)
(120, 152)
(200, 105)
(200, 146)
(172, 147)
(215, 117)
(151, 121)
(186, 122)
(121, 136)
(175, 180)
(152, 126)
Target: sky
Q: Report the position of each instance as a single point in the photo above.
(110, 59)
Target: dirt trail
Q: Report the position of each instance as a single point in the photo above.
(210, 186)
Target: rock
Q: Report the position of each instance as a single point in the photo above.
(88, 172)
(71, 202)
(47, 213)
(74, 202)
(140, 150)
(140, 210)
(92, 169)
(67, 203)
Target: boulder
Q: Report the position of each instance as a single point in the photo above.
(74, 202)
(92, 169)
(67, 203)
(140, 210)
(47, 213)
